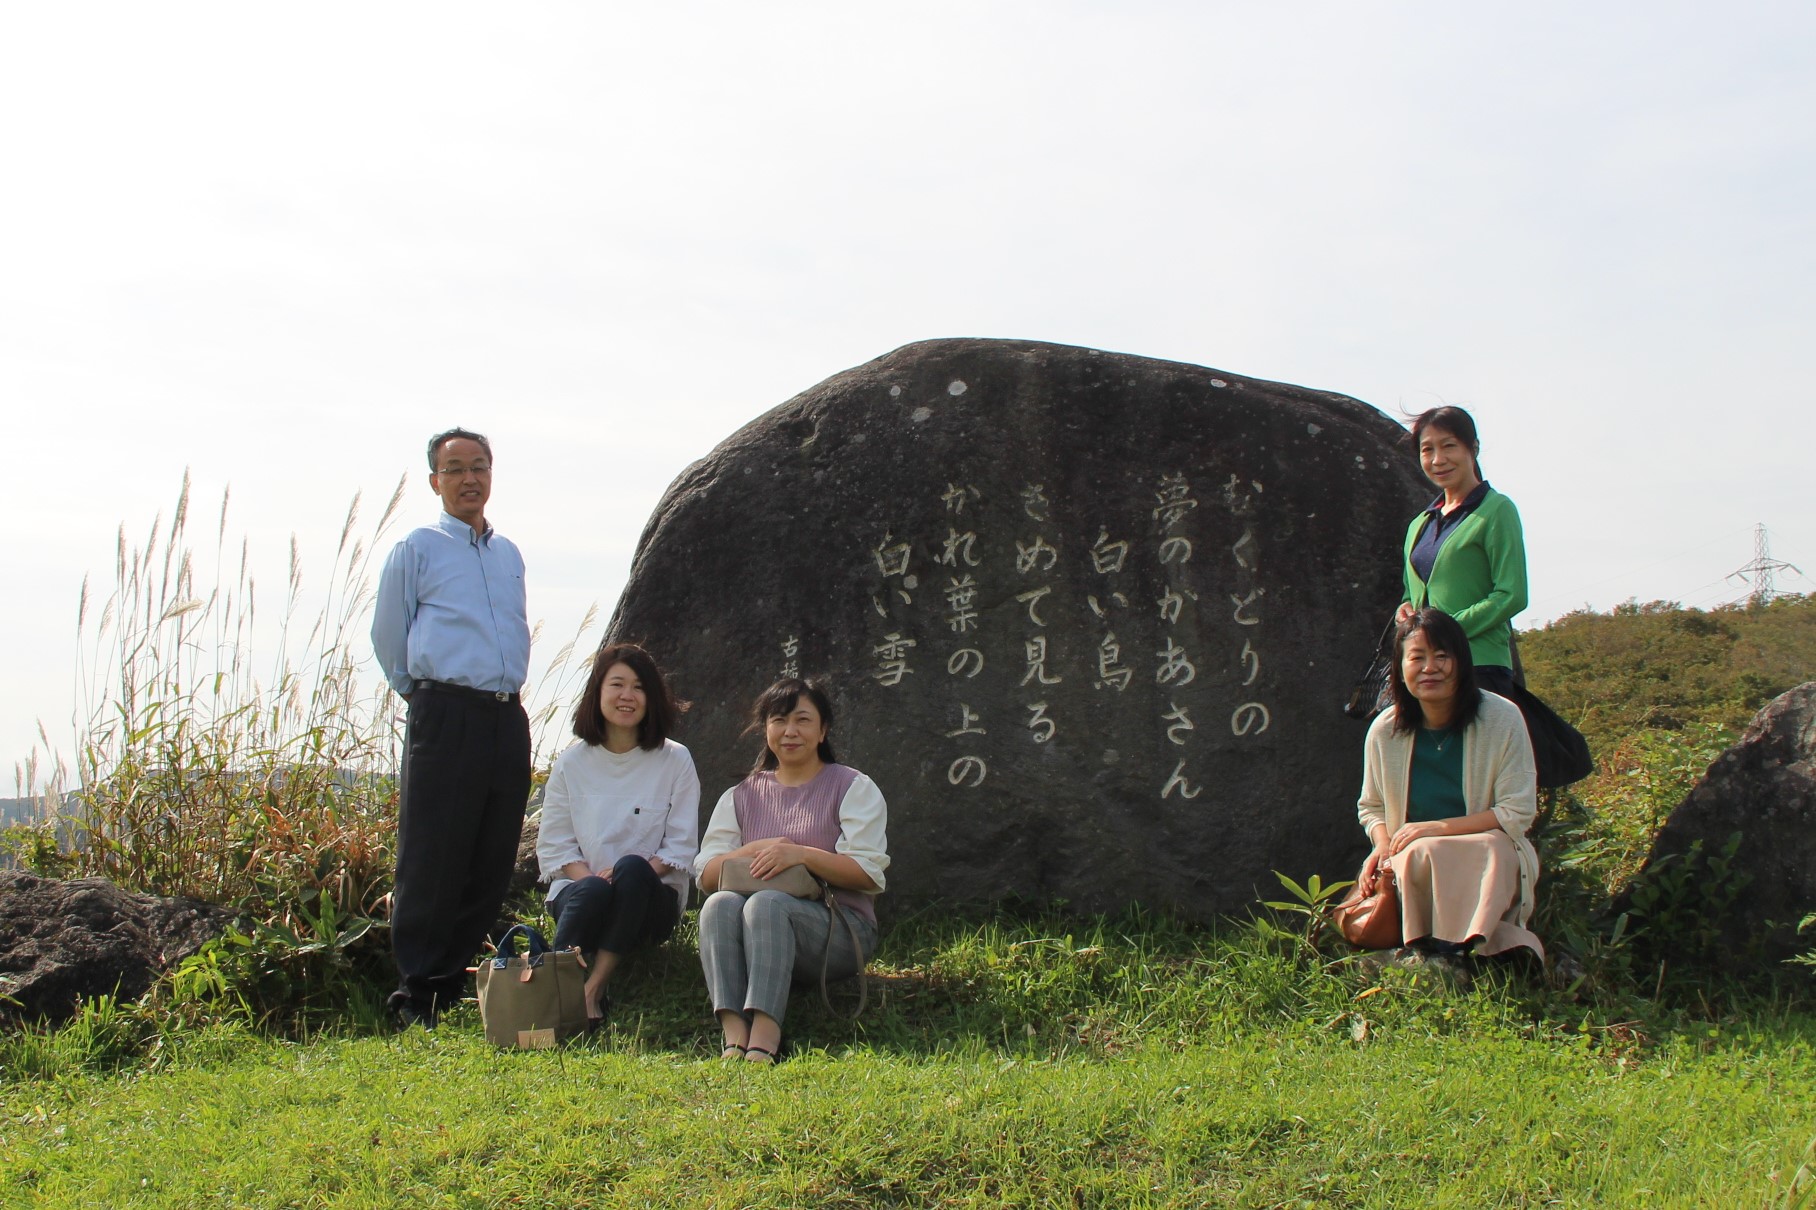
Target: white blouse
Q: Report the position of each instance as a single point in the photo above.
(601, 805)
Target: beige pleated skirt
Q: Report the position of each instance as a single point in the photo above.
(1458, 888)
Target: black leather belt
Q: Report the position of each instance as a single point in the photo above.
(481, 695)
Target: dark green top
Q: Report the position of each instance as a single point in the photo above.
(1435, 789)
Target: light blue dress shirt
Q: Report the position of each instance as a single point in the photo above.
(451, 608)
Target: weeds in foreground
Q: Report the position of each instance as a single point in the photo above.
(1315, 901)
(1604, 826)
(267, 785)
(203, 774)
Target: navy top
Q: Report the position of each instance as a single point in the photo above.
(1439, 525)
(451, 608)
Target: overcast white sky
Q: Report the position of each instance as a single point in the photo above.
(281, 247)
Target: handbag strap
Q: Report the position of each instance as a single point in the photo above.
(836, 912)
(504, 951)
(1384, 646)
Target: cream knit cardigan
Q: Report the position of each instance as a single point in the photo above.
(1498, 773)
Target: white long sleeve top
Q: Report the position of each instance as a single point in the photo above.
(601, 805)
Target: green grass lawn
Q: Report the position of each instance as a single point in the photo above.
(1256, 1120)
(1136, 1063)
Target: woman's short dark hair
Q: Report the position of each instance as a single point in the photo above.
(779, 700)
(1452, 420)
(660, 711)
(1445, 634)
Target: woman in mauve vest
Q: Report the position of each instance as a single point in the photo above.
(797, 807)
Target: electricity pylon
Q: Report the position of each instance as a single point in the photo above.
(1759, 572)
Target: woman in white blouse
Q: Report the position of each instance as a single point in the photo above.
(620, 820)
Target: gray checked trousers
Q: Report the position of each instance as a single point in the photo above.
(753, 947)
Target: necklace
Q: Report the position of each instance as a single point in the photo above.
(1440, 738)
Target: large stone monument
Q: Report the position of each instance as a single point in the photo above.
(1089, 619)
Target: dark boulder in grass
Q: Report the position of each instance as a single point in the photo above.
(1089, 619)
(1740, 900)
(65, 942)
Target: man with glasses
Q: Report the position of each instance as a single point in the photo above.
(452, 635)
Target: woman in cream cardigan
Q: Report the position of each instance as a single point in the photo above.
(1448, 792)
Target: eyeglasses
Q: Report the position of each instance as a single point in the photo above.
(478, 469)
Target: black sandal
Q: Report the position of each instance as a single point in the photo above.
(726, 1049)
(768, 1059)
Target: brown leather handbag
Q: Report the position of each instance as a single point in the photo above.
(1371, 922)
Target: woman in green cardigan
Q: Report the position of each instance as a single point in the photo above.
(1464, 554)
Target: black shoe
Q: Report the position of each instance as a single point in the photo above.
(406, 1010)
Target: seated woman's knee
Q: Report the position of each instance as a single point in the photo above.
(588, 889)
(767, 906)
(719, 905)
(1418, 852)
(633, 869)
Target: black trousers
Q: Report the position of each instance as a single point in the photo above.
(466, 779)
(635, 908)
(1497, 678)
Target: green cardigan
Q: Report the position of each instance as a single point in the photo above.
(1479, 577)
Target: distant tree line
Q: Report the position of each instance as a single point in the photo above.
(1658, 665)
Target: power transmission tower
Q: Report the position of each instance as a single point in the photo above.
(1759, 572)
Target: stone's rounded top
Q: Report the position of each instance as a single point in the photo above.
(1762, 789)
(1087, 616)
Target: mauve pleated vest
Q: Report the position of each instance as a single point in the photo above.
(806, 814)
